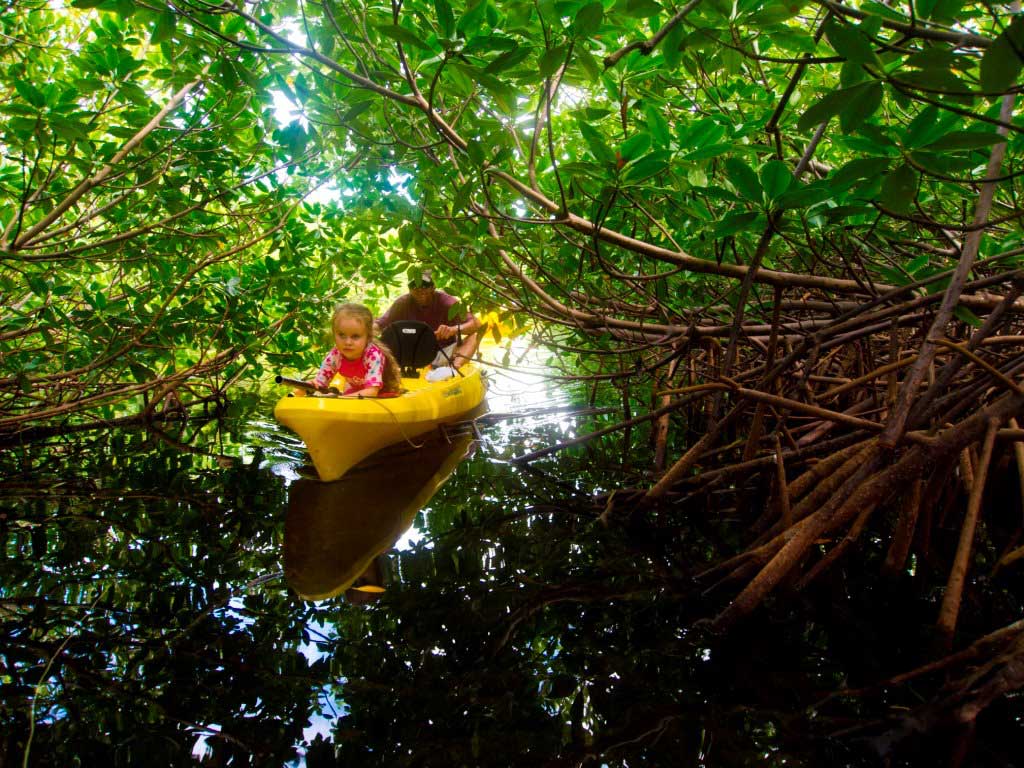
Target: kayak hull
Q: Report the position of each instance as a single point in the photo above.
(339, 432)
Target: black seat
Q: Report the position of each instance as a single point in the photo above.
(412, 342)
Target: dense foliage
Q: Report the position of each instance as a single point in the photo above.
(610, 167)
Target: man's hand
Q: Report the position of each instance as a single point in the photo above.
(445, 332)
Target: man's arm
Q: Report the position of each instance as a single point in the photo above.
(468, 326)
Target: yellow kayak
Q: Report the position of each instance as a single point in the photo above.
(339, 432)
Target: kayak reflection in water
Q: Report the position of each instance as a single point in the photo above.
(335, 532)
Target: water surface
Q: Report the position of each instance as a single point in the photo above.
(195, 595)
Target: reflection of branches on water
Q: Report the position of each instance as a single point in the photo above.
(963, 695)
(582, 439)
(225, 599)
(178, 443)
(572, 410)
(629, 735)
(574, 593)
(551, 480)
(83, 490)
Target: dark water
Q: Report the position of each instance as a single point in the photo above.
(153, 609)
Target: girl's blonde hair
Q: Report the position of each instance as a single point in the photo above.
(392, 372)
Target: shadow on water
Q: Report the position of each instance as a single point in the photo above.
(145, 617)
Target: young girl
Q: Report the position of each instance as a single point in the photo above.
(368, 366)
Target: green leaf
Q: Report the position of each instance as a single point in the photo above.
(776, 178)
(473, 18)
(734, 222)
(635, 145)
(551, 60)
(841, 212)
(792, 40)
(672, 46)
(647, 166)
(228, 75)
(914, 265)
(827, 107)
(69, 129)
(966, 140)
(30, 93)
(485, 43)
(164, 27)
(598, 147)
(804, 196)
(769, 13)
(924, 8)
(851, 73)
(658, 126)
(590, 65)
(933, 58)
(1001, 63)
(891, 275)
(39, 286)
(743, 179)
(641, 9)
(588, 19)
(883, 11)
(445, 17)
(140, 372)
(855, 170)
(942, 80)
(880, 137)
(592, 170)
(706, 153)
(500, 89)
(899, 189)
(850, 43)
(507, 60)
(929, 124)
(947, 10)
(964, 314)
(702, 133)
(404, 36)
(864, 102)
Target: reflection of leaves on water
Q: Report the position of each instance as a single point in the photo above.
(149, 573)
(516, 628)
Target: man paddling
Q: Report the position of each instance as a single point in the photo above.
(424, 302)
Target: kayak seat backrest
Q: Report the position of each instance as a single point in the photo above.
(412, 343)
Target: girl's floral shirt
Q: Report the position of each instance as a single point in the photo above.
(367, 371)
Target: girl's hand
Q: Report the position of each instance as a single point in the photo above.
(368, 392)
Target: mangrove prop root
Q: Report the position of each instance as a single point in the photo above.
(896, 557)
(824, 468)
(828, 486)
(865, 489)
(791, 553)
(958, 574)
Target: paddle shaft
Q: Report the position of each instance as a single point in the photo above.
(295, 383)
